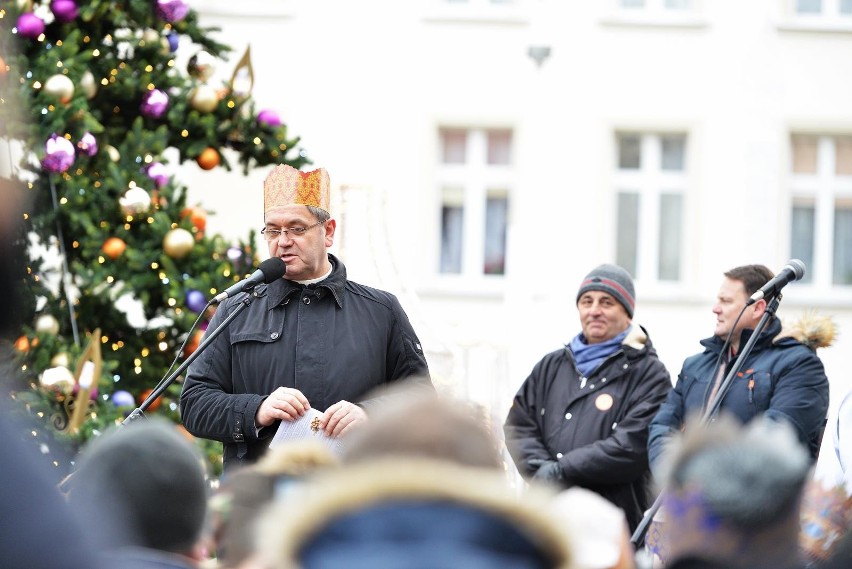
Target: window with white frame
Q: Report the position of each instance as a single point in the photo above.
(822, 8)
(474, 183)
(821, 211)
(650, 182)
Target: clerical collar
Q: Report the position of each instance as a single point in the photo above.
(314, 281)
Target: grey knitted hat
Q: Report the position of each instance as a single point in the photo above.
(613, 280)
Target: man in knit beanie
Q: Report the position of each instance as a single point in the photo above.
(581, 417)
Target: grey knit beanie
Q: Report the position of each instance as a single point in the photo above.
(613, 280)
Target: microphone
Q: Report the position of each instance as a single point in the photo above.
(792, 271)
(270, 270)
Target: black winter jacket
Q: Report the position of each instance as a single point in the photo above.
(597, 432)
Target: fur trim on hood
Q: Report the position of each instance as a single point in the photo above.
(286, 527)
(810, 329)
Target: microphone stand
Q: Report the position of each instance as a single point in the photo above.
(208, 339)
(712, 408)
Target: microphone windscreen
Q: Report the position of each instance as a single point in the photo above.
(272, 269)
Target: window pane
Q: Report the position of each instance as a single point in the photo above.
(629, 152)
(627, 232)
(499, 147)
(808, 6)
(453, 146)
(671, 208)
(804, 154)
(846, 6)
(678, 4)
(803, 221)
(673, 152)
(843, 157)
(632, 3)
(496, 219)
(843, 242)
(452, 230)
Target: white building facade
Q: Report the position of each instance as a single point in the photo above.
(486, 155)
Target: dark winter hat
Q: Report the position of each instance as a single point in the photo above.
(613, 280)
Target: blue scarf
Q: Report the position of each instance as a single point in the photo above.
(590, 356)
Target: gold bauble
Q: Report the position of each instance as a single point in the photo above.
(204, 98)
(135, 201)
(60, 87)
(61, 359)
(57, 378)
(88, 84)
(47, 324)
(178, 243)
(112, 152)
(151, 36)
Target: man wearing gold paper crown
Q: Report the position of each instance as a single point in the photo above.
(310, 340)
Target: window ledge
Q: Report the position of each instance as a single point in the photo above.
(658, 20)
(825, 25)
(508, 15)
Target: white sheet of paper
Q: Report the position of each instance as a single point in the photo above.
(302, 428)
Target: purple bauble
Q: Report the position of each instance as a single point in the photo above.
(122, 398)
(154, 103)
(64, 10)
(29, 25)
(174, 39)
(195, 300)
(157, 172)
(268, 118)
(238, 258)
(172, 10)
(58, 154)
(88, 145)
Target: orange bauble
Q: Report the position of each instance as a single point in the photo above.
(208, 159)
(22, 344)
(197, 216)
(154, 404)
(193, 343)
(114, 247)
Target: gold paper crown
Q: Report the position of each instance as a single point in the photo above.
(286, 185)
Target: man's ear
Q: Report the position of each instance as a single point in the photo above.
(758, 308)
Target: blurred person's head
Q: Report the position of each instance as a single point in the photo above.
(400, 511)
(142, 485)
(244, 493)
(734, 493)
(436, 427)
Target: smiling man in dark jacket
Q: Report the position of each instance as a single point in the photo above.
(581, 417)
(313, 339)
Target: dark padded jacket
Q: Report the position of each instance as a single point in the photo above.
(781, 378)
(598, 432)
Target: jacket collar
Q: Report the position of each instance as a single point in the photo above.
(715, 343)
(277, 292)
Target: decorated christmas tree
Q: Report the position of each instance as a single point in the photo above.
(119, 270)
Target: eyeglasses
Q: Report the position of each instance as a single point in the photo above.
(272, 234)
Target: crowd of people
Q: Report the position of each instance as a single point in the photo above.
(603, 461)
